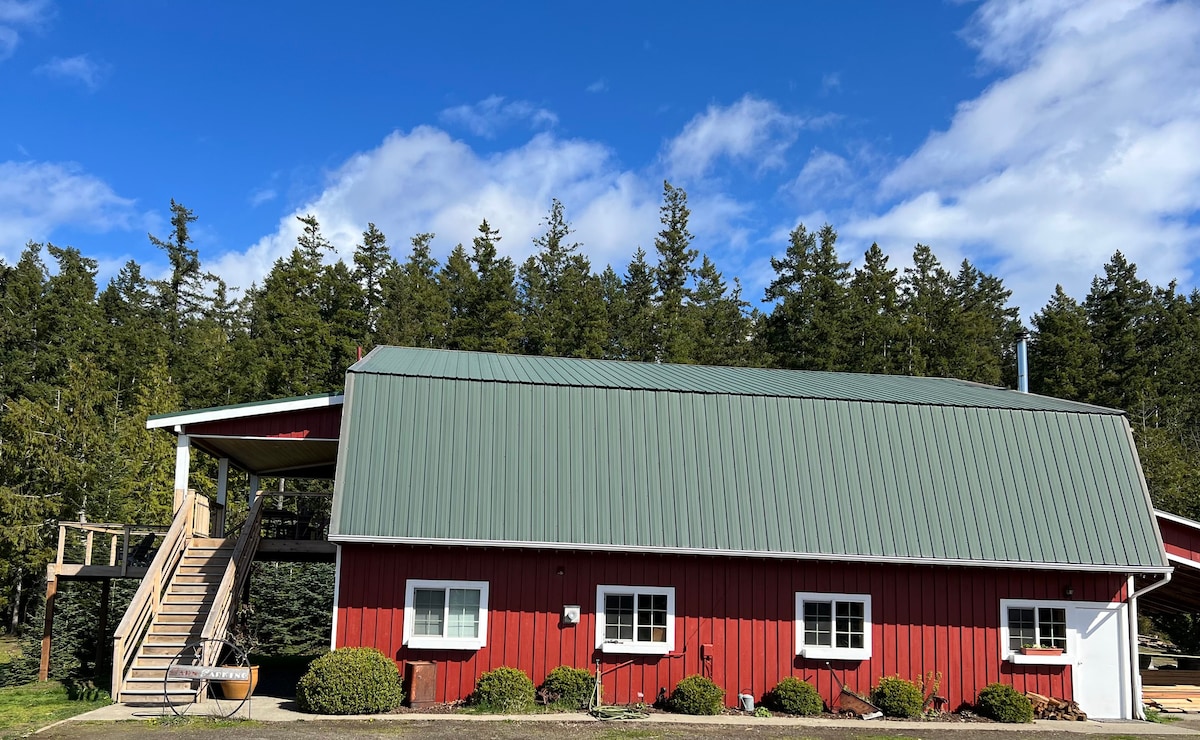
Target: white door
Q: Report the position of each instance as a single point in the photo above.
(1100, 676)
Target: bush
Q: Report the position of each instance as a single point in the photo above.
(1003, 703)
(697, 695)
(567, 687)
(896, 697)
(793, 696)
(506, 690)
(350, 681)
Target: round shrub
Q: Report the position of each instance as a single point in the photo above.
(1003, 703)
(567, 687)
(504, 690)
(896, 697)
(697, 695)
(793, 696)
(350, 681)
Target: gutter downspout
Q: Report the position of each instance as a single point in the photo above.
(1135, 669)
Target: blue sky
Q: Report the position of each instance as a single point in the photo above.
(1033, 137)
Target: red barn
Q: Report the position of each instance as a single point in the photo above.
(746, 524)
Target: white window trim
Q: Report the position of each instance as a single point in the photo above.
(1014, 656)
(434, 642)
(633, 647)
(833, 653)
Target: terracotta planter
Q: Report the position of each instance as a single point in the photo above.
(1041, 651)
(240, 689)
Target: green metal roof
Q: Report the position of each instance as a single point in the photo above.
(748, 381)
(468, 448)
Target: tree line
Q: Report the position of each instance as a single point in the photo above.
(81, 366)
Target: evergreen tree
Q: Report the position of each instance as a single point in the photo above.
(873, 316)
(372, 263)
(1063, 359)
(1118, 307)
(21, 336)
(634, 328)
(182, 294)
(673, 276)
(807, 329)
(416, 309)
(723, 328)
(457, 282)
(980, 345)
(493, 324)
(928, 308)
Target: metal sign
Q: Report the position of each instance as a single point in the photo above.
(208, 673)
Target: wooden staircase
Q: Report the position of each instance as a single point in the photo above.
(190, 591)
(185, 608)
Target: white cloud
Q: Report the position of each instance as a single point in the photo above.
(424, 180)
(831, 82)
(598, 86)
(1089, 145)
(263, 195)
(494, 113)
(15, 17)
(751, 129)
(79, 68)
(36, 198)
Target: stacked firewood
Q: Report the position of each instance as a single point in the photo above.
(1047, 707)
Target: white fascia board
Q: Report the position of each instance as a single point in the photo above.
(267, 407)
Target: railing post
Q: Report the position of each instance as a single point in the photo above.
(112, 551)
(62, 543)
(87, 547)
(125, 552)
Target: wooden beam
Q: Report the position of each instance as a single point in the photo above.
(102, 647)
(48, 627)
(183, 461)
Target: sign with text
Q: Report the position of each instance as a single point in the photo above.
(208, 673)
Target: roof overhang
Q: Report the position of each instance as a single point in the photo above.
(292, 437)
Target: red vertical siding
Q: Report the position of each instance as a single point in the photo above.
(924, 618)
(322, 423)
(1180, 540)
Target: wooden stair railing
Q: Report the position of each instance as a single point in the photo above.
(147, 600)
(234, 579)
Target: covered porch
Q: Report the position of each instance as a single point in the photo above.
(1171, 678)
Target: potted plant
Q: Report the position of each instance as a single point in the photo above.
(244, 636)
(1032, 649)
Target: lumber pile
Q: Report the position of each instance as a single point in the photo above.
(1178, 698)
(1047, 707)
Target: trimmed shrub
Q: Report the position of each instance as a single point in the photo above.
(567, 687)
(504, 690)
(697, 695)
(350, 681)
(896, 697)
(1003, 703)
(793, 696)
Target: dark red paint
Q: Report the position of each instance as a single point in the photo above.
(926, 618)
(322, 423)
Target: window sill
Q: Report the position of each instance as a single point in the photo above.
(444, 643)
(635, 648)
(824, 653)
(1019, 659)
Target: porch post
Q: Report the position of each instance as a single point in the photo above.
(183, 460)
(222, 488)
(48, 625)
(253, 488)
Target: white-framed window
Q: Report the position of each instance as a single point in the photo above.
(445, 615)
(635, 619)
(1028, 624)
(833, 626)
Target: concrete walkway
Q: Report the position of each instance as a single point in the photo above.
(271, 709)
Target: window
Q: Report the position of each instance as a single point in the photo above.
(445, 615)
(833, 626)
(1026, 623)
(635, 619)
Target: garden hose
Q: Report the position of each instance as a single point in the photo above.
(605, 714)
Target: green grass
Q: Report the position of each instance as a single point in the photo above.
(201, 723)
(1153, 715)
(620, 733)
(26, 708)
(9, 648)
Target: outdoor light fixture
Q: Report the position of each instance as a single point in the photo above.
(1068, 592)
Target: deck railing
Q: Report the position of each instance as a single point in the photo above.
(237, 570)
(86, 543)
(147, 600)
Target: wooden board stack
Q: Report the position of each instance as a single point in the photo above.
(1047, 707)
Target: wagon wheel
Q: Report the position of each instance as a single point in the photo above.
(191, 688)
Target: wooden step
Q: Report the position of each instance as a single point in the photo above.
(174, 618)
(196, 578)
(190, 632)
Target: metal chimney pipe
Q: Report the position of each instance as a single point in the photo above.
(1022, 363)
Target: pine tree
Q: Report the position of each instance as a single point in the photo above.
(416, 309)
(928, 308)
(673, 277)
(182, 294)
(807, 329)
(876, 338)
(458, 282)
(981, 347)
(1118, 307)
(722, 326)
(634, 327)
(372, 262)
(492, 319)
(1063, 359)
